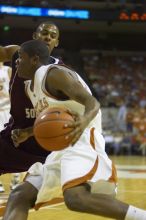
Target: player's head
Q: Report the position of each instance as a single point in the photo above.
(32, 55)
(49, 33)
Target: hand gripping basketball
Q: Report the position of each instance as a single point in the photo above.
(50, 131)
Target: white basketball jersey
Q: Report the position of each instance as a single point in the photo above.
(41, 99)
(4, 88)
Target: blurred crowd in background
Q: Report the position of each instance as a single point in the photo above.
(119, 83)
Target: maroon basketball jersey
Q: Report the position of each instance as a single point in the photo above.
(21, 110)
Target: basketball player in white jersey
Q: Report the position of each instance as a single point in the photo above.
(83, 170)
(5, 74)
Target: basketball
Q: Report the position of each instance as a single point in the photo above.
(49, 130)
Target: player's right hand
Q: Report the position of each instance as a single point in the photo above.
(79, 124)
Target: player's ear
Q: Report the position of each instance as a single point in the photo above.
(57, 43)
(35, 59)
(34, 36)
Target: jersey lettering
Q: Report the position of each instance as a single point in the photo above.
(41, 105)
(30, 113)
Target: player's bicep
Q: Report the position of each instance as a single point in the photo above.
(70, 86)
(7, 52)
(77, 92)
(3, 54)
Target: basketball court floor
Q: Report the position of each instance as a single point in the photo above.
(131, 189)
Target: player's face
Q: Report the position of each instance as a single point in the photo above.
(49, 34)
(25, 65)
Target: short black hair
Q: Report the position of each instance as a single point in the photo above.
(46, 23)
(37, 47)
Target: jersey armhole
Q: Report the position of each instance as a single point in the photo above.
(44, 80)
(26, 88)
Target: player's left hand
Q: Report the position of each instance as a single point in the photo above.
(79, 125)
(18, 136)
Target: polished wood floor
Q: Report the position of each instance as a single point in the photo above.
(131, 189)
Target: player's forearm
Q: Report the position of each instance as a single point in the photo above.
(28, 131)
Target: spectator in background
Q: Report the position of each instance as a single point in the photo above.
(142, 102)
(142, 146)
(121, 117)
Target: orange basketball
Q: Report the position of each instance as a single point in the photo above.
(49, 130)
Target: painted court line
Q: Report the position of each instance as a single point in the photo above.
(53, 207)
(131, 171)
(50, 207)
(133, 191)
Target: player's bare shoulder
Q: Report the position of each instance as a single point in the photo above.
(59, 78)
(54, 74)
(61, 72)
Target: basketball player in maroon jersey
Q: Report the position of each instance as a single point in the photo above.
(19, 158)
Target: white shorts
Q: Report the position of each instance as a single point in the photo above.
(4, 117)
(85, 162)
